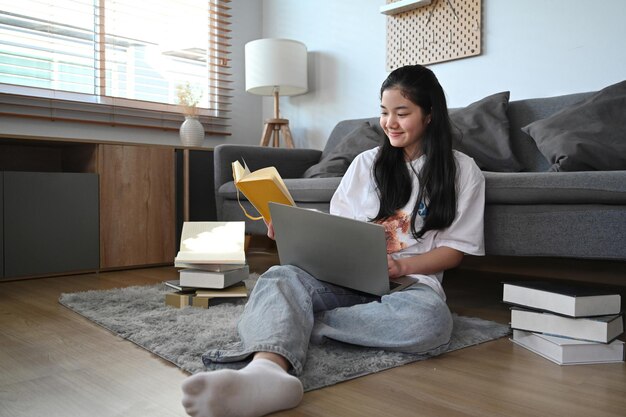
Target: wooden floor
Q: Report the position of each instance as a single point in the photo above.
(56, 363)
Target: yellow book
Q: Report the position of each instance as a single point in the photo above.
(260, 188)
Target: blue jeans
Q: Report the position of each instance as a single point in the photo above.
(288, 308)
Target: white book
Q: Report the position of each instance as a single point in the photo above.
(212, 243)
(569, 298)
(196, 278)
(596, 329)
(564, 351)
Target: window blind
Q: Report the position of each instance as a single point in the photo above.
(117, 62)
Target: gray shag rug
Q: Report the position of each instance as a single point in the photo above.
(181, 336)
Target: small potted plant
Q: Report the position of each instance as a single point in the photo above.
(191, 130)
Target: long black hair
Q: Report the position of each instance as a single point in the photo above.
(437, 178)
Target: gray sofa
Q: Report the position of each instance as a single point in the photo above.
(530, 210)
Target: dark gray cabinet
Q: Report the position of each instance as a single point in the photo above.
(51, 223)
(1, 225)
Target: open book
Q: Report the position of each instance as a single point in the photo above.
(211, 243)
(261, 187)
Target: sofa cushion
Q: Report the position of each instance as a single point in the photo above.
(587, 136)
(526, 111)
(481, 130)
(335, 163)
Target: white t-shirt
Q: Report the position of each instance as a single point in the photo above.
(356, 198)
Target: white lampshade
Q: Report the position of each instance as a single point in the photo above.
(276, 64)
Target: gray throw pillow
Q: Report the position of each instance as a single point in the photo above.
(481, 131)
(587, 136)
(335, 164)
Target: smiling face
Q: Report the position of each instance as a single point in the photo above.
(404, 122)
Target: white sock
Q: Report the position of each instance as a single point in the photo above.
(260, 388)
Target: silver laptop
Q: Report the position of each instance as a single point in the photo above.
(335, 249)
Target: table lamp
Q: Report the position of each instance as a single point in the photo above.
(276, 67)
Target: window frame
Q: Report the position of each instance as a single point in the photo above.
(59, 105)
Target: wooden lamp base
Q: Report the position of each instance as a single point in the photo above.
(274, 127)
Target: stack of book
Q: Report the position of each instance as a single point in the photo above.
(567, 323)
(212, 264)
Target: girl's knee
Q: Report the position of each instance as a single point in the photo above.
(283, 271)
(429, 328)
(434, 334)
(285, 279)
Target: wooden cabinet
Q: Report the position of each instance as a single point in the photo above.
(137, 211)
(129, 192)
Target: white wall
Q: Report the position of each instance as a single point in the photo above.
(346, 44)
(246, 114)
(538, 48)
(532, 48)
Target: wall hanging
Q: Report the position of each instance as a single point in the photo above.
(429, 31)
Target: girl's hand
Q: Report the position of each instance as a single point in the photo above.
(270, 229)
(431, 262)
(394, 267)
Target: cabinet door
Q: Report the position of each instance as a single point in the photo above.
(137, 205)
(1, 225)
(50, 223)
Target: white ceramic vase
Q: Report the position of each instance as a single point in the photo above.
(191, 131)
